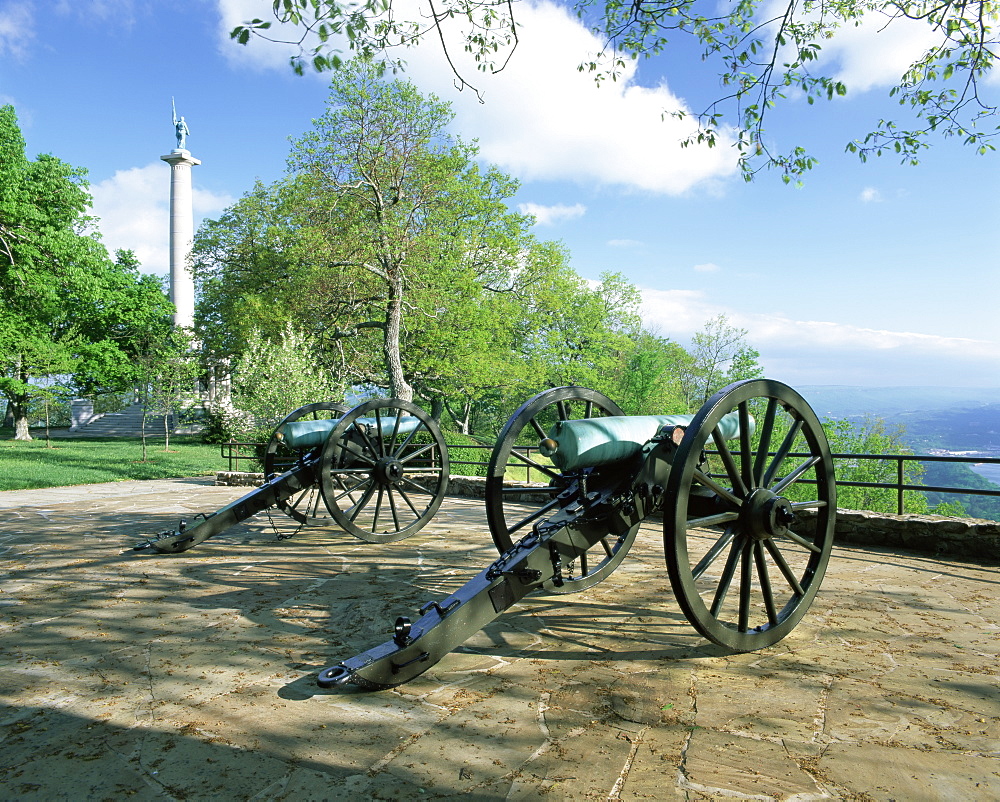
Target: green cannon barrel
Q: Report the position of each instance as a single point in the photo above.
(591, 442)
(312, 433)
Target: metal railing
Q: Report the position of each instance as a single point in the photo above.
(900, 485)
(234, 452)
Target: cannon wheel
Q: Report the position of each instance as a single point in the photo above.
(510, 515)
(384, 489)
(743, 565)
(305, 506)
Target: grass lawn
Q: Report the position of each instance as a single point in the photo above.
(25, 465)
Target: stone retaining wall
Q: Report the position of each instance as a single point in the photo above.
(965, 538)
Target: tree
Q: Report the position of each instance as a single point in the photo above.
(651, 378)
(386, 243)
(379, 173)
(762, 53)
(873, 436)
(167, 368)
(721, 356)
(65, 306)
(271, 379)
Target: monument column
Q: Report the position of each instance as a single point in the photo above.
(181, 235)
(181, 224)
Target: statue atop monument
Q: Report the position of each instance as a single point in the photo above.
(181, 129)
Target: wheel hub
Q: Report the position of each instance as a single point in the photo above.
(389, 470)
(766, 515)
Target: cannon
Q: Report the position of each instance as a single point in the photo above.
(379, 471)
(745, 488)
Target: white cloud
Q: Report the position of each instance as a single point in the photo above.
(876, 53)
(871, 195)
(550, 215)
(17, 28)
(822, 352)
(707, 267)
(625, 243)
(541, 118)
(258, 53)
(134, 210)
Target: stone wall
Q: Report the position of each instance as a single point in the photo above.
(961, 538)
(239, 479)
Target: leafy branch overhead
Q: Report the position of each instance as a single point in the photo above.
(762, 52)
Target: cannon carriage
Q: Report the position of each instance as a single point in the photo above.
(746, 492)
(378, 471)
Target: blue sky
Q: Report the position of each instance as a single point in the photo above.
(871, 274)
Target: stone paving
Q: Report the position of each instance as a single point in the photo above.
(192, 676)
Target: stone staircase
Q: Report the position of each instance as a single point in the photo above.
(127, 423)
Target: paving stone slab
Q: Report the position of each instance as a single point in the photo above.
(192, 676)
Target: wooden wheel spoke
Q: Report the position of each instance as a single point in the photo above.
(414, 454)
(365, 498)
(562, 410)
(548, 470)
(542, 434)
(390, 443)
(395, 512)
(713, 553)
(378, 508)
(588, 409)
(786, 571)
(765, 584)
(416, 486)
(781, 453)
(806, 544)
(361, 456)
(713, 520)
(808, 505)
(607, 548)
(362, 479)
(715, 487)
(764, 444)
(746, 585)
(583, 564)
(729, 463)
(746, 466)
(296, 500)
(727, 576)
(369, 446)
(379, 439)
(796, 474)
(406, 497)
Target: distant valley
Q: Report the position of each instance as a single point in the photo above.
(938, 421)
(952, 419)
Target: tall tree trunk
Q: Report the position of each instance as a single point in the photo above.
(19, 410)
(437, 408)
(461, 418)
(398, 386)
